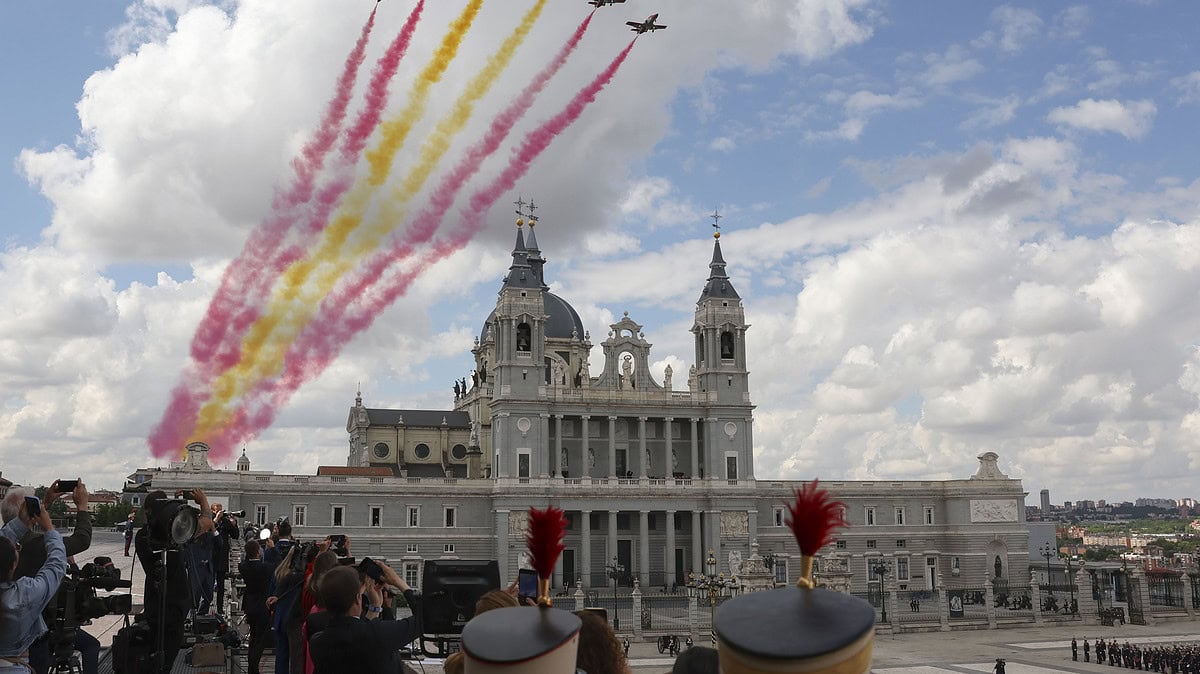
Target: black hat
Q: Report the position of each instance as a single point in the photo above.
(795, 630)
(522, 639)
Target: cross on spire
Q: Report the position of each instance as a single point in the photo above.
(520, 204)
(532, 207)
(716, 218)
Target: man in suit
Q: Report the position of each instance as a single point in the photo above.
(257, 576)
(356, 639)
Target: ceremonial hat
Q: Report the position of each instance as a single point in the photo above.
(802, 628)
(522, 639)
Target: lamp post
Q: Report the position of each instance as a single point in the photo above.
(881, 569)
(711, 586)
(1048, 552)
(615, 570)
(1070, 585)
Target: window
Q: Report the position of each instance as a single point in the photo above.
(523, 463)
(422, 451)
(458, 452)
(870, 516)
(731, 466)
(899, 515)
(337, 516)
(781, 570)
(448, 548)
(450, 515)
(840, 545)
(900, 543)
(726, 345)
(778, 517)
(413, 548)
(523, 337)
(376, 518)
(902, 568)
(381, 450)
(871, 544)
(260, 515)
(414, 516)
(928, 514)
(299, 515)
(412, 574)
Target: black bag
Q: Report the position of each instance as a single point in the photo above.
(133, 649)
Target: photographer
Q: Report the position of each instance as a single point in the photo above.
(226, 530)
(257, 576)
(354, 640)
(168, 593)
(34, 554)
(23, 600)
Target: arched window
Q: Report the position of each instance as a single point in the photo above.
(381, 450)
(700, 348)
(422, 451)
(727, 345)
(523, 337)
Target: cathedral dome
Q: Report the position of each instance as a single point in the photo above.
(562, 321)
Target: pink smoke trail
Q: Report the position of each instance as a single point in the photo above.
(323, 340)
(265, 238)
(235, 306)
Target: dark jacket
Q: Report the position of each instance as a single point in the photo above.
(33, 549)
(257, 576)
(356, 645)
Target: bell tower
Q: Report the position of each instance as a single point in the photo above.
(720, 334)
(518, 325)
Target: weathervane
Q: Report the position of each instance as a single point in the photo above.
(520, 204)
(532, 207)
(716, 218)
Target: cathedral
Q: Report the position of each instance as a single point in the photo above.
(656, 476)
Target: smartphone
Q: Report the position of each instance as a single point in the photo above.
(371, 568)
(337, 541)
(67, 486)
(527, 582)
(33, 505)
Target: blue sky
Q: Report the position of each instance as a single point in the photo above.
(958, 227)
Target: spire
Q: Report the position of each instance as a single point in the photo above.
(526, 270)
(718, 285)
(357, 399)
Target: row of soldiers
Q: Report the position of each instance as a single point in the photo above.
(1167, 658)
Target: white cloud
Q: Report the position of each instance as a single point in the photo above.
(953, 65)
(1188, 87)
(1131, 119)
(723, 144)
(1017, 27)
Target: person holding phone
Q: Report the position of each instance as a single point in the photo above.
(353, 640)
(22, 600)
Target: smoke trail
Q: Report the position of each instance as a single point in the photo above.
(394, 132)
(286, 321)
(322, 341)
(266, 237)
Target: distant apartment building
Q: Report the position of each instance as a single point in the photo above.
(1107, 540)
(1165, 503)
(1045, 500)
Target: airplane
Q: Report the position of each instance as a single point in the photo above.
(648, 25)
(601, 3)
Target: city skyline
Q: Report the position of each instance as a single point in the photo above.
(957, 228)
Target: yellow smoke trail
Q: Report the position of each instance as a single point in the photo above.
(264, 356)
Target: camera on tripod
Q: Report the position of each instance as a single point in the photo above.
(79, 591)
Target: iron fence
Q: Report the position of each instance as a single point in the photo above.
(967, 603)
(619, 608)
(706, 611)
(876, 599)
(1165, 590)
(665, 613)
(1015, 602)
(1194, 581)
(1061, 599)
(915, 606)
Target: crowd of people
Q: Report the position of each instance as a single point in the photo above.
(1177, 658)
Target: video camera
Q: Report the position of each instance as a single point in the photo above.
(77, 604)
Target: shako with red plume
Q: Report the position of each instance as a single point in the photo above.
(813, 518)
(545, 541)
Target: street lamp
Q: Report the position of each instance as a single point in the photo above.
(710, 587)
(615, 570)
(1048, 552)
(1070, 585)
(881, 568)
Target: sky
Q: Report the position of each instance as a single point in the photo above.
(957, 227)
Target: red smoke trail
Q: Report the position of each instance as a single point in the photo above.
(323, 340)
(246, 280)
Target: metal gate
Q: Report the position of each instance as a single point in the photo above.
(1133, 596)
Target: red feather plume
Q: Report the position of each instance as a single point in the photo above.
(545, 540)
(813, 518)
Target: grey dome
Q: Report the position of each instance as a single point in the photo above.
(562, 321)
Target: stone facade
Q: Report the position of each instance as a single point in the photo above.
(650, 477)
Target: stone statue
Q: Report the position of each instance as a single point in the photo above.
(591, 458)
(457, 390)
(627, 372)
(563, 463)
(693, 380)
(649, 460)
(674, 460)
(474, 379)
(667, 376)
(556, 373)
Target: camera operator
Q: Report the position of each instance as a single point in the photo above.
(354, 639)
(257, 576)
(171, 590)
(23, 600)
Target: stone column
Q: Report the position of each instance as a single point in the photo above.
(543, 440)
(585, 468)
(643, 469)
(668, 457)
(502, 542)
(644, 547)
(943, 600)
(989, 597)
(892, 592)
(1088, 612)
(556, 450)
(612, 447)
(1035, 594)
(585, 544)
(712, 462)
(1143, 594)
(671, 549)
(751, 526)
(579, 597)
(697, 543)
(557, 580)
(500, 456)
(637, 609)
(695, 449)
(714, 537)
